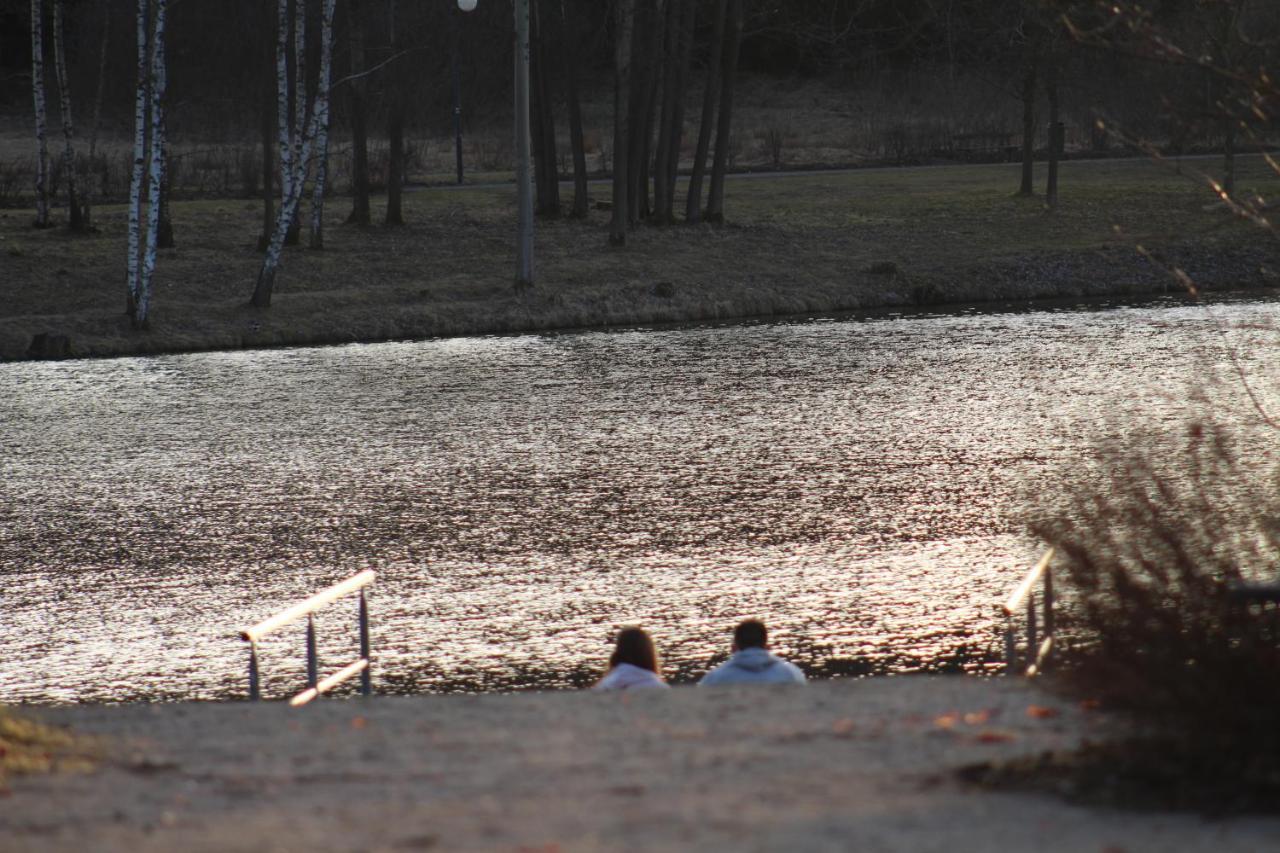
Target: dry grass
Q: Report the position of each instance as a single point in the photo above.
(794, 244)
(28, 747)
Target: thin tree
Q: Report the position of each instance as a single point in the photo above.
(322, 132)
(724, 130)
(133, 267)
(74, 213)
(395, 128)
(576, 144)
(93, 185)
(298, 138)
(546, 165)
(359, 99)
(624, 12)
(1055, 130)
(38, 96)
(693, 204)
(148, 157)
(1030, 74)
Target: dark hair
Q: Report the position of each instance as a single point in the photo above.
(635, 646)
(750, 634)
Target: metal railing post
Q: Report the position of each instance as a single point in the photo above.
(1048, 602)
(1033, 644)
(313, 677)
(1010, 647)
(254, 693)
(366, 679)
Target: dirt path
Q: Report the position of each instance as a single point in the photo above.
(840, 765)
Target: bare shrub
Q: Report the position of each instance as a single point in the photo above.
(775, 133)
(1151, 555)
(13, 176)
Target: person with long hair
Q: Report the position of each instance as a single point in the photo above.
(634, 663)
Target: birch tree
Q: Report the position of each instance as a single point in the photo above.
(38, 96)
(74, 213)
(298, 136)
(148, 157)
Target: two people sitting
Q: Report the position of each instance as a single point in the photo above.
(634, 662)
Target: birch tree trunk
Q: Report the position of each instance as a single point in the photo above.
(75, 218)
(132, 276)
(724, 132)
(298, 152)
(322, 126)
(625, 12)
(395, 130)
(38, 96)
(297, 123)
(693, 204)
(156, 168)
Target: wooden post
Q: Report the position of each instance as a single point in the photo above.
(312, 664)
(366, 679)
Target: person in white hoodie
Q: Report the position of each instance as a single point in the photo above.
(633, 664)
(751, 662)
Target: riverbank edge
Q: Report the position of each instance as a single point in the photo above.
(555, 307)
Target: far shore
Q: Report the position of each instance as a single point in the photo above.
(796, 244)
(870, 764)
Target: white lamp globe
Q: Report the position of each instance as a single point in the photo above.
(467, 5)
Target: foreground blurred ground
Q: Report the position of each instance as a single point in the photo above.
(793, 244)
(840, 765)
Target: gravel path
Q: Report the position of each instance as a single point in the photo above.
(842, 765)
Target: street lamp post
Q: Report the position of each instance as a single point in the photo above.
(463, 6)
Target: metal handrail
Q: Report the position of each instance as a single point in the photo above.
(316, 686)
(1037, 652)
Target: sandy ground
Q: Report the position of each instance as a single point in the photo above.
(841, 765)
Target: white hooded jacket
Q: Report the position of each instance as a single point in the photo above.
(754, 666)
(626, 676)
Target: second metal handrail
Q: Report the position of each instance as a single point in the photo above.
(315, 685)
(1024, 596)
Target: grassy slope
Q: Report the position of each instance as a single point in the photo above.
(794, 244)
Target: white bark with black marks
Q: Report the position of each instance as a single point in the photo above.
(155, 169)
(133, 267)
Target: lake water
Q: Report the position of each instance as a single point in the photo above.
(857, 482)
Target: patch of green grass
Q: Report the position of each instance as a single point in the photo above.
(794, 243)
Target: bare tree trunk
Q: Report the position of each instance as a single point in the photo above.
(1028, 127)
(297, 122)
(569, 52)
(93, 186)
(38, 95)
(670, 75)
(268, 175)
(75, 217)
(1055, 133)
(1229, 155)
(675, 131)
(649, 95)
(140, 109)
(360, 213)
(724, 132)
(322, 132)
(142, 314)
(300, 149)
(693, 204)
(544, 129)
(395, 132)
(624, 11)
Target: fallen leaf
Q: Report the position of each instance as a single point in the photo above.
(993, 736)
(1041, 712)
(977, 718)
(947, 720)
(843, 727)
(357, 722)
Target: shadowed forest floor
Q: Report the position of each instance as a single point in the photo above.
(793, 244)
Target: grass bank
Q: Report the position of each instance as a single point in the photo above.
(794, 244)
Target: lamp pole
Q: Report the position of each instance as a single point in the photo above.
(463, 6)
(524, 270)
